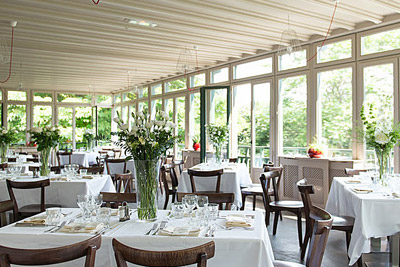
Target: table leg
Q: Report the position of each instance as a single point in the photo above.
(394, 249)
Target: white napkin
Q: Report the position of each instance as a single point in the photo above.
(238, 220)
(362, 190)
(82, 228)
(179, 231)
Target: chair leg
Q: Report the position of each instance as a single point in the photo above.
(166, 201)
(267, 216)
(299, 228)
(281, 216)
(276, 221)
(307, 237)
(173, 197)
(243, 202)
(348, 237)
(254, 202)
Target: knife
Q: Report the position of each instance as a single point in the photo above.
(152, 229)
(162, 226)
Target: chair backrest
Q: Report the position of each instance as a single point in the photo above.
(183, 257)
(269, 164)
(28, 185)
(352, 172)
(51, 255)
(213, 173)
(169, 169)
(113, 200)
(305, 191)
(233, 160)
(63, 154)
(117, 152)
(123, 182)
(92, 169)
(56, 169)
(267, 179)
(181, 164)
(3, 166)
(12, 159)
(319, 237)
(109, 162)
(218, 198)
(279, 169)
(35, 160)
(7, 205)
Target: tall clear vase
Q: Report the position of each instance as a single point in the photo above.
(146, 181)
(218, 153)
(44, 160)
(384, 165)
(3, 152)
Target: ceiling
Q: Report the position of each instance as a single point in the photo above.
(74, 44)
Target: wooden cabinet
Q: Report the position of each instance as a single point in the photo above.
(318, 172)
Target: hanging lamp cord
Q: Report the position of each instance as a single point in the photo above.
(11, 54)
(96, 3)
(327, 33)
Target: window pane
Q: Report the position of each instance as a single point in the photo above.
(142, 92)
(143, 106)
(180, 108)
(16, 120)
(335, 94)
(176, 85)
(241, 124)
(125, 97)
(156, 106)
(124, 114)
(195, 115)
(104, 99)
(104, 127)
(83, 121)
(217, 76)
(156, 89)
(73, 98)
(16, 96)
(253, 68)
(117, 98)
(294, 114)
(294, 60)
(42, 115)
(65, 126)
(169, 107)
(218, 106)
(378, 90)
(132, 94)
(42, 97)
(334, 51)
(262, 123)
(198, 80)
(1, 95)
(379, 42)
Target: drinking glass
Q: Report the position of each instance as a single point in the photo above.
(213, 211)
(190, 202)
(53, 216)
(103, 215)
(178, 210)
(74, 169)
(83, 172)
(83, 202)
(202, 202)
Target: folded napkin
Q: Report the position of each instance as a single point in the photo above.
(228, 168)
(362, 190)
(61, 178)
(87, 177)
(238, 220)
(352, 181)
(114, 212)
(82, 228)
(179, 231)
(396, 195)
(36, 220)
(195, 168)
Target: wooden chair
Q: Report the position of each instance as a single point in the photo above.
(117, 152)
(199, 255)
(217, 173)
(123, 182)
(34, 160)
(62, 154)
(169, 169)
(3, 166)
(343, 223)
(113, 200)
(32, 209)
(181, 164)
(12, 159)
(277, 206)
(92, 169)
(110, 161)
(86, 248)
(218, 198)
(351, 172)
(319, 238)
(56, 169)
(233, 160)
(34, 169)
(255, 189)
(7, 205)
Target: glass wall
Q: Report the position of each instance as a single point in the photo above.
(42, 115)
(16, 120)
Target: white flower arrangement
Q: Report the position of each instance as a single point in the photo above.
(46, 137)
(218, 134)
(6, 136)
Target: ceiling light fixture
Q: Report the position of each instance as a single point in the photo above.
(289, 41)
(13, 24)
(141, 22)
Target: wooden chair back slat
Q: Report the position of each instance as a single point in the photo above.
(7, 205)
(219, 198)
(113, 200)
(279, 169)
(123, 182)
(213, 173)
(115, 161)
(65, 153)
(196, 255)
(93, 169)
(51, 255)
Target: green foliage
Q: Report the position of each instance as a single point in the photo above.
(7, 136)
(218, 134)
(47, 137)
(16, 120)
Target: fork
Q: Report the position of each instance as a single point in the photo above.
(152, 229)
(162, 226)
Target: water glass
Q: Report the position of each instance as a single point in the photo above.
(190, 202)
(83, 172)
(103, 215)
(83, 201)
(53, 216)
(213, 211)
(178, 210)
(202, 202)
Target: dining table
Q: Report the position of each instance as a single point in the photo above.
(83, 158)
(234, 247)
(62, 190)
(234, 177)
(375, 208)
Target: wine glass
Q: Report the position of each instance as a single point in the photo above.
(97, 200)
(74, 169)
(83, 203)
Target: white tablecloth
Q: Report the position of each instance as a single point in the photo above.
(376, 215)
(82, 158)
(235, 175)
(234, 248)
(59, 192)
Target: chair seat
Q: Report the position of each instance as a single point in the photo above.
(342, 222)
(35, 208)
(287, 204)
(287, 264)
(254, 190)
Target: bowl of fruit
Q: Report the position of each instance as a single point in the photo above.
(315, 151)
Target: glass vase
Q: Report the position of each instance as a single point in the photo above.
(90, 145)
(3, 152)
(146, 181)
(218, 154)
(383, 163)
(44, 160)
